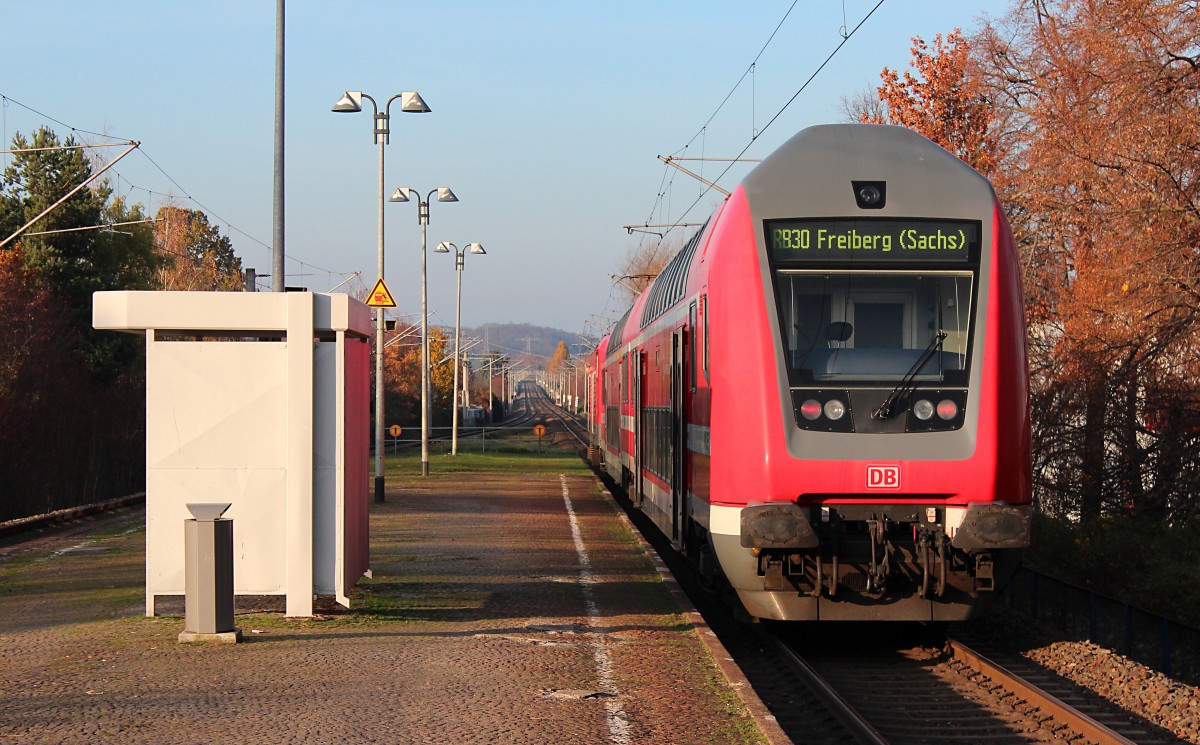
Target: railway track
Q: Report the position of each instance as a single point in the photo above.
(523, 414)
(883, 688)
(900, 683)
(559, 423)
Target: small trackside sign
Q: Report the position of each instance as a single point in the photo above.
(880, 476)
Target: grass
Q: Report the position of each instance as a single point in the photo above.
(502, 459)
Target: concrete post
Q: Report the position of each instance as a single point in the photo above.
(208, 576)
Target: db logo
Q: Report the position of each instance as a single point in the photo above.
(883, 477)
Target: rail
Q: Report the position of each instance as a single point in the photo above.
(888, 712)
(850, 718)
(1050, 705)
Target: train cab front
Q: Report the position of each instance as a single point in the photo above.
(906, 495)
(891, 478)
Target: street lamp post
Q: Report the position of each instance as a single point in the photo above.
(459, 260)
(351, 103)
(404, 194)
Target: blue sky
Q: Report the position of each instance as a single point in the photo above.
(547, 120)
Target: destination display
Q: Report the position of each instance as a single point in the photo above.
(855, 239)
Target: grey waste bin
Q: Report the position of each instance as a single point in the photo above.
(208, 575)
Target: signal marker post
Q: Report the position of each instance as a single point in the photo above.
(540, 431)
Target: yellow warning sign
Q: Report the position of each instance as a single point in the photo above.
(381, 296)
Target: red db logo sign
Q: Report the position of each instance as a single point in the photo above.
(883, 477)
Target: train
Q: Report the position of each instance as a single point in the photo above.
(822, 400)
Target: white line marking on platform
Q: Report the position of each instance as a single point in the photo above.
(618, 723)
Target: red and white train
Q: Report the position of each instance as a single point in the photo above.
(824, 395)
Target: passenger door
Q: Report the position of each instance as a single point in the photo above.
(638, 449)
(678, 437)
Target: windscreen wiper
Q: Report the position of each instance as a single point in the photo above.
(907, 383)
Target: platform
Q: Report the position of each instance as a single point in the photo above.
(503, 608)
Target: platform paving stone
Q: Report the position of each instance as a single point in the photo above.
(474, 628)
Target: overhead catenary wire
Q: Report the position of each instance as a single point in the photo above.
(132, 145)
(846, 36)
(749, 72)
(709, 185)
(6, 100)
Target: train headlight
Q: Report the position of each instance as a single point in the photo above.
(835, 409)
(947, 409)
(824, 410)
(923, 409)
(935, 410)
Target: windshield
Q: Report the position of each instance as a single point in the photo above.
(856, 326)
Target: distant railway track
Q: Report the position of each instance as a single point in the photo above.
(559, 420)
(68, 518)
(29, 533)
(522, 413)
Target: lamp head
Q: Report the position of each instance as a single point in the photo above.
(412, 103)
(349, 103)
(400, 195)
(444, 247)
(445, 195)
(476, 248)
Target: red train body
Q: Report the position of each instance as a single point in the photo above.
(824, 395)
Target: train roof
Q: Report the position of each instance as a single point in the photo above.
(813, 173)
(669, 286)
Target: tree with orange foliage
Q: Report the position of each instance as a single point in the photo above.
(946, 101)
(1106, 122)
(197, 256)
(1086, 117)
(402, 377)
(644, 262)
(558, 360)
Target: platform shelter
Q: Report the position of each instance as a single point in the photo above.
(260, 400)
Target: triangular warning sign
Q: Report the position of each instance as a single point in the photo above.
(381, 296)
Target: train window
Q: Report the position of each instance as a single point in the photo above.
(884, 320)
(624, 382)
(704, 320)
(851, 326)
(691, 346)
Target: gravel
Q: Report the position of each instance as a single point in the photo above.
(1130, 685)
(1172, 705)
